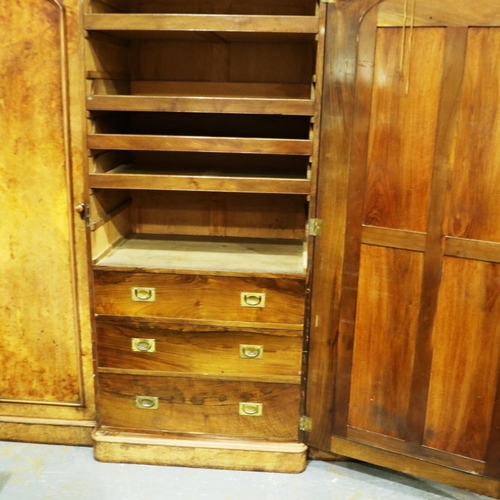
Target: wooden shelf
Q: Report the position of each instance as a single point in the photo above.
(225, 27)
(130, 177)
(207, 254)
(200, 144)
(304, 107)
(272, 91)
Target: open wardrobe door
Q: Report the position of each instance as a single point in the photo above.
(405, 319)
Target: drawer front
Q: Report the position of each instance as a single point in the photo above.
(127, 343)
(200, 297)
(188, 405)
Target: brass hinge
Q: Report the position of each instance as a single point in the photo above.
(315, 227)
(306, 424)
(87, 214)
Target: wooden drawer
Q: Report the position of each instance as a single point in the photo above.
(188, 405)
(201, 297)
(136, 344)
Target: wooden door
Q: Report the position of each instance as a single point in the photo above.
(46, 383)
(405, 323)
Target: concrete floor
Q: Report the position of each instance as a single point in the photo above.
(48, 472)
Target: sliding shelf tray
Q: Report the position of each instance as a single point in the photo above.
(130, 177)
(231, 90)
(137, 25)
(200, 144)
(297, 107)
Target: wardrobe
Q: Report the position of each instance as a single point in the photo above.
(238, 234)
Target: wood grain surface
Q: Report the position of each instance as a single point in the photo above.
(224, 255)
(39, 303)
(416, 467)
(130, 178)
(476, 176)
(114, 445)
(340, 59)
(408, 449)
(402, 130)
(216, 89)
(219, 214)
(200, 297)
(357, 180)
(201, 23)
(201, 104)
(431, 13)
(202, 144)
(384, 344)
(465, 364)
(184, 348)
(451, 91)
(272, 7)
(200, 406)
(427, 235)
(213, 61)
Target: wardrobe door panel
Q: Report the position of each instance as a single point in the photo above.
(43, 304)
(404, 352)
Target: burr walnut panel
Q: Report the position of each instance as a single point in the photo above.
(38, 303)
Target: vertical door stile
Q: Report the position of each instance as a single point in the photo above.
(316, 94)
(337, 102)
(449, 104)
(358, 163)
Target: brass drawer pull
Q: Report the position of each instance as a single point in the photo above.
(143, 294)
(250, 409)
(251, 299)
(144, 345)
(251, 351)
(146, 402)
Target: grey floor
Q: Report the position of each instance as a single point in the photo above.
(48, 472)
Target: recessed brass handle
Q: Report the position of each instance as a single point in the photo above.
(251, 351)
(143, 294)
(251, 299)
(144, 345)
(146, 402)
(250, 409)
